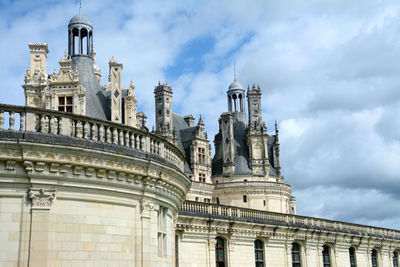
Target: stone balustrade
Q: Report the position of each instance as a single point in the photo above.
(82, 128)
(247, 184)
(215, 211)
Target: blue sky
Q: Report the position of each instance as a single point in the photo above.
(328, 71)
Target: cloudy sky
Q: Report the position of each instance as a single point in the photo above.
(329, 73)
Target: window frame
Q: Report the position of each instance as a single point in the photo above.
(66, 106)
(352, 256)
(259, 250)
(162, 231)
(395, 259)
(297, 252)
(374, 258)
(218, 262)
(326, 254)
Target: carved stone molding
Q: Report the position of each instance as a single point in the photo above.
(146, 207)
(41, 198)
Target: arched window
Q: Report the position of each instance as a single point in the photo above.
(296, 260)
(259, 253)
(326, 260)
(220, 252)
(395, 259)
(352, 254)
(374, 260)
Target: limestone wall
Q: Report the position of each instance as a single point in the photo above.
(199, 225)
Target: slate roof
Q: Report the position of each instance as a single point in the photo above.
(96, 103)
(184, 134)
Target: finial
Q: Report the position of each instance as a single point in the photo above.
(159, 83)
(80, 8)
(65, 53)
(166, 82)
(258, 87)
(234, 71)
(131, 86)
(200, 121)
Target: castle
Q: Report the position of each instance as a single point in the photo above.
(84, 181)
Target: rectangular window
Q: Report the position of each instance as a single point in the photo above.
(326, 257)
(374, 260)
(162, 232)
(202, 156)
(395, 260)
(220, 252)
(244, 198)
(352, 257)
(296, 255)
(65, 103)
(202, 177)
(259, 253)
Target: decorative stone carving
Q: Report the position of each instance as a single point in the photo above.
(10, 165)
(41, 198)
(146, 207)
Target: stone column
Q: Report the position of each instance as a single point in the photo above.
(41, 227)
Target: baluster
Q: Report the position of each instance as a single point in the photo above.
(101, 133)
(1, 119)
(127, 138)
(22, 121)
(115, 136)
(108, 135)
(59, 123)
(121, 137)
(11, 120)
(42, 123)
(132, 140)
(73, 130)
(79, 130)
(53, 127)
(142, 142)
(137, 141)
(85, 130)
(93, 133)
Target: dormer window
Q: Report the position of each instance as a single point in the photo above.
(65, 103)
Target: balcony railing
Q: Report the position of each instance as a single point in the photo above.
(216, 211)
(247, 184)
(86, 129)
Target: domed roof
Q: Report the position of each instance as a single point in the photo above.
(235, 86)
(79, 19)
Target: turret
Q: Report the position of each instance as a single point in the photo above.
(277, 163)
(80, 36)
(36, 76)
(116, 90)
(163, 105)
(254, 108)
(130, 107)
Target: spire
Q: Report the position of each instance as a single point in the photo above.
(200, 123)
(80, 8)
(234, 71)
(131, 88)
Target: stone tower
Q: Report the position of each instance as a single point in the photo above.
(257, 138)
(246, 169)
(36, 77)
(81, 52)
(163, 106)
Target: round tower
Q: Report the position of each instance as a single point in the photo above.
(80, 36)
(235, 96)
